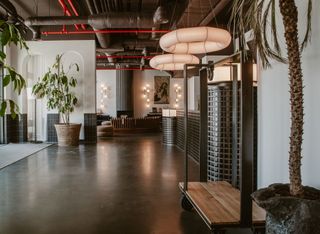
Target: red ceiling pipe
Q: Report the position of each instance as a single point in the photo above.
(123, 56)
(125, 68)
(67, 12)
(75, 12)
(104, 32)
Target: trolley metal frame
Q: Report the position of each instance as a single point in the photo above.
(246, 130)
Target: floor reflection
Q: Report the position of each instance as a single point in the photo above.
(122, 185)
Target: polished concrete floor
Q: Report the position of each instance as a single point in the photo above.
(121, 185)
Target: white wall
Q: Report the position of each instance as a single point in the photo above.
(81, 52)
(142, 78)
(194, 93)
(107, 78)
(274, 112)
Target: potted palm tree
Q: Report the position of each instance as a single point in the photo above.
(291, 208)
(56, 85)
(10, 34)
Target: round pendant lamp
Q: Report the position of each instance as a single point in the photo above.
(195, 40)
(173, 62)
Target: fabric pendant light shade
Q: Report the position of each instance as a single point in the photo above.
(195, 40)
(172, 62)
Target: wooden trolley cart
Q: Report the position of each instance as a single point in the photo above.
(219, 203)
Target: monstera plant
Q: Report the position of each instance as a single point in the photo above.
(10, 34)
(291, 208)
(56, 85)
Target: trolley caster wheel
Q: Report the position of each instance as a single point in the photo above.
(185, 203)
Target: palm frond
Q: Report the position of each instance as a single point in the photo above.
(260, 17)
(307, 36)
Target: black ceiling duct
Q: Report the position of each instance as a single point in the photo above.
(101, 21)
(8, 9)
(121, 20)
(9, 13)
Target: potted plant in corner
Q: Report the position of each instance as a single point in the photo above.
(291, 208)
(56, 85)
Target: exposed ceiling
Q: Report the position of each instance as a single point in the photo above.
(130, 49)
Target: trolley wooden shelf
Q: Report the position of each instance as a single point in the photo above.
(218, 203)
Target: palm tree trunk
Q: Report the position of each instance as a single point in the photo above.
(289, 14)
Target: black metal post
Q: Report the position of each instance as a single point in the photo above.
(234, 75)
(246, 138)
(186, 159)
(203, 125)
(2, 119)
(35, 120)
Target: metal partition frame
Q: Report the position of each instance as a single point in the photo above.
(203, 72)
(246, 127)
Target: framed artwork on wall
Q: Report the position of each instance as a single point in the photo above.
(161, 90)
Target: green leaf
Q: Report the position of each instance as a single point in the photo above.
(11, 31)
(3, 108)
(5, 37)
(12, 109)
(6, 80)
(75, 100)
(64, 80)
(2, 55)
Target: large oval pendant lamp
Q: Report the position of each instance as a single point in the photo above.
(195, 40)
(172, 62)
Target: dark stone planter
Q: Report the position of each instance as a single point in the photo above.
(287, 214)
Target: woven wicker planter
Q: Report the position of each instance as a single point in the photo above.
(68, 135)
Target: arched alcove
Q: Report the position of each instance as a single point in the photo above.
(69, 58)
(32, 69)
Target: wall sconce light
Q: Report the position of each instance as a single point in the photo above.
(105, 93)
(146, 94)
(177, 90)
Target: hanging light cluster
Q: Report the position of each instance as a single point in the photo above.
(187, 41)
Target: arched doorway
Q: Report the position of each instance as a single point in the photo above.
(33, 69)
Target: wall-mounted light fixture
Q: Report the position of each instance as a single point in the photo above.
(177, 90)
(105, 93)
(146, 94)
